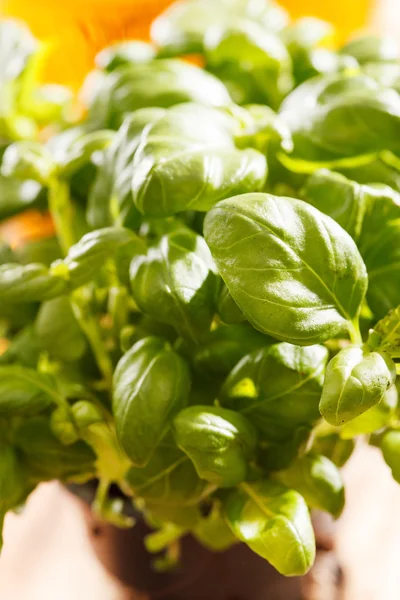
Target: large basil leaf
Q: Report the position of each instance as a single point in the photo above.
(275, 523)
(188, 161)
(24, 391)
(177, 283)
(151, 384)
(160, 83)
(294, 272)
(318, 480)
(277, 388)
(329, 117)
(354, 382)
(220, 443)
(371, 214)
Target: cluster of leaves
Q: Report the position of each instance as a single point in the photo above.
(217, 317)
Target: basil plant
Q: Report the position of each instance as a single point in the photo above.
(214, 317)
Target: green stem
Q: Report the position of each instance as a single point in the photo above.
(91, 328)
(62, 213)
(355, 333)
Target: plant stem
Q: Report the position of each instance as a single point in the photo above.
(62, 213)
(91, 328)
(355, 333)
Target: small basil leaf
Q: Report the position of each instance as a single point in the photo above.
(177, 283)
(18, 196)
(275, 523)
(124, 53)
(23, 349)
(47, 458)
(169, 478)
(228, 310)
(24, 391)
(214, 533)
(334, 447)
(372, 48)
(277, 388)
(29, 283)
(110, 197)
(374, 419)
(89, 255)
(318, 480)
(294, 273)
(151, 384)
(390, 446)
(244, 52)
(58, 331)
(224, 347)
(218, 441)
(354, 382)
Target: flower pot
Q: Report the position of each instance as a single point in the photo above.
(236, 574)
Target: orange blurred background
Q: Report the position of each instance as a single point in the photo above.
(76, 30)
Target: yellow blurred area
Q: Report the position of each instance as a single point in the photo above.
(77, 29)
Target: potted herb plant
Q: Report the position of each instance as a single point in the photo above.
(216, 319)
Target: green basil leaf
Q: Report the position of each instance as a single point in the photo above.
(294, 273)
(29, 283)
(151, 384)
(17, 196)
(214, 533)
(386, 333)
(228, 310)
(188, 160)
(280, 455)
(177, 283)
(218, 441)
(47, 458)
(277, 388)
(354, 382)
(89, 255)
(25, 392)
(334, 447)
(275, 523)
(160, 83)
(390, 446)
(58, 332)
(318, 480)
(12, 482)
(23, 349)
(320, 116)
(370, 213)
(183, 26)
(374, 419)
(27, 160)
(244, 52)
(169, 478)
(110, 197)
(222, 349)
(124, 53)
(372, 48)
